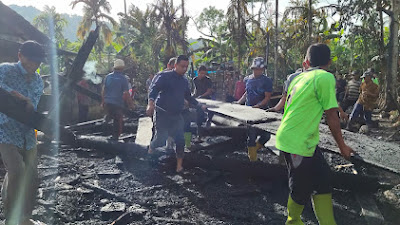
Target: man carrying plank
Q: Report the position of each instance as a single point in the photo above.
(257, 95)
(17, 141)
(310, 94)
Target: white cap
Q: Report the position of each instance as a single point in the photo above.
(119, 64)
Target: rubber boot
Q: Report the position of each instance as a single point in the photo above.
(252, 153)
(323, 209)
(294, 212)
(188, 139)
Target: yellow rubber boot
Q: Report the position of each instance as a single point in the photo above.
(323, 209)
(294, 212)
(252, 153)
(188, 139)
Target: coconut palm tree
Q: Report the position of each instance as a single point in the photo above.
(143, 35)
(237, 16)
(43, 19)
(95, 12)
(171, 27)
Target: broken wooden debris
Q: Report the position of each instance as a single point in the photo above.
(105, 192)
(15, 108)
(369, 209)
(235, 132)
(238, 167)
(144, 131)
(372, 151)
(217, 143)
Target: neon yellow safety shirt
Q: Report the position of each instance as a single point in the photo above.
(309, 95)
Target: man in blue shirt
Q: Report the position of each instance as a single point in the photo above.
(257, 95)
(166, 102)
(115, 94)
(17, 141)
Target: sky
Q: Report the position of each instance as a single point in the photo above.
(193, 7)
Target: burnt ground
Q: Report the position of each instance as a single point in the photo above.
(160, 196)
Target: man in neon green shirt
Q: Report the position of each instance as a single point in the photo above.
(310, 94)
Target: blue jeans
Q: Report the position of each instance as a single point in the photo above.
(254, 133)
(203, 116)
(358, 110)
(168, 124)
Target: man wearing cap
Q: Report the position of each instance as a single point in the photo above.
(17, 141)
(257, 95)
(369, 93)
(352, 91)
(114, 96)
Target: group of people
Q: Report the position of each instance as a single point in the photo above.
(362, 95)
(307, 95)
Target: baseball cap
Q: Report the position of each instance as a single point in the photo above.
(33, 51)
(258, 63)
(119, 64)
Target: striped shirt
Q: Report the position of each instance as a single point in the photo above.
(353, 90)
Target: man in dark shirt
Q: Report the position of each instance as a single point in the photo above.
(114, 95)
(203, 84)
(166, 101)
(203, 89)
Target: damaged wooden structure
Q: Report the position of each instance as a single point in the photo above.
(366, 147)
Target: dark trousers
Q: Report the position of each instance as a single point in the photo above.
(308, 175)
(347, 103)
(167, 124)
(358, 110)
(203, 116)
(115, 113)
(256, 135)
(83, 112)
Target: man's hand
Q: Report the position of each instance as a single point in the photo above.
(150, 109)
(344, 116)
(346, 151)
(28, 104)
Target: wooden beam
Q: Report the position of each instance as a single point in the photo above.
(15, 108)
(370, 151)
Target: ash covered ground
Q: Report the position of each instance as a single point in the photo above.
(87, 186)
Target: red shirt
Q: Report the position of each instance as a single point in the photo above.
(240, 89)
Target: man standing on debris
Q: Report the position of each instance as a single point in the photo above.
(257, 95)
(310, 94)
(369, 93)
(114, 96)
(166, 100)
(17, 141)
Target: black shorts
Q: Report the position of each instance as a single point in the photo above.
(307, 176)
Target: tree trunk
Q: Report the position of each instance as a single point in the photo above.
(184, 47)
(393, 58)
(239, 35)
(310, 19)
(276, 42)
(267, 50)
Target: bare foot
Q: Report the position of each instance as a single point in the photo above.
(150, 151)
(179, 167)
